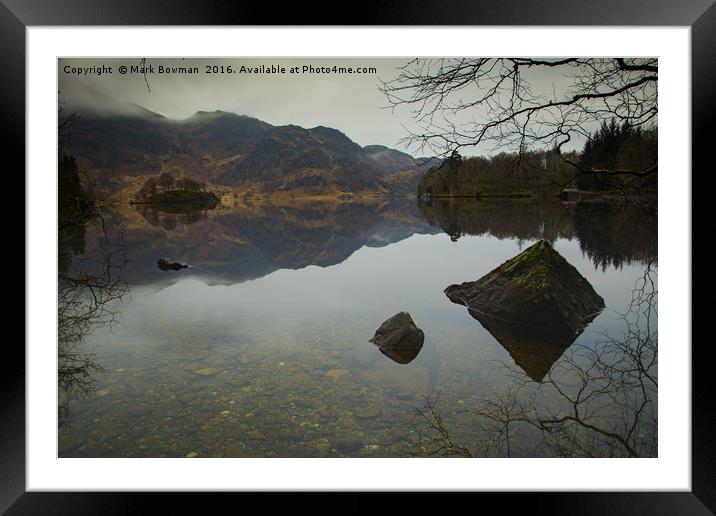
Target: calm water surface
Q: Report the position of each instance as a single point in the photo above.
(260, 349)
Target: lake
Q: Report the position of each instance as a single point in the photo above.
(261, 348)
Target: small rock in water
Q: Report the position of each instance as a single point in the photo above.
(206, 371)
(255, 434)
(321, 445)
(166, 264)
(337, 373)
(399, 338)
(306, 404)
(349, 446)
(408, 380)
(368, 412)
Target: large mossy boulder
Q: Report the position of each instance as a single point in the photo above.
(536, 288)
(399, 338)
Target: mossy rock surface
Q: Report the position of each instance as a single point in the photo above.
(538, 287)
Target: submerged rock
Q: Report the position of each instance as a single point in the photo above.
(166, 264)
(337, 373)
(409, 381)
(536, 288)
(399, 338)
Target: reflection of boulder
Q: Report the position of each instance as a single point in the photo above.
(536, 288)
(399, 339)
(533, 349)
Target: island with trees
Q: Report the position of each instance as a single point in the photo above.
(167, 190)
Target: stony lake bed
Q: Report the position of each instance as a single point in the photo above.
(261, 348)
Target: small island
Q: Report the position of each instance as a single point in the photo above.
(167, 190)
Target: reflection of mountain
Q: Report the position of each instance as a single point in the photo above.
(252, 240)
(533, 349)
(609, 234)
(127, 142)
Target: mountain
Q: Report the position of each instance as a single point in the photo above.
(291, 158)
(219, 134)
(125, 143)
(391, 161)
(137, 141)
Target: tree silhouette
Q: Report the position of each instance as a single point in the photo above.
(87, 292)
(507, 114)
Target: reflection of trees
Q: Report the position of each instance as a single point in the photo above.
(597, 401)
(86, 290)
(170, 216)
(515, 218)
(610, 234)
(613, 235)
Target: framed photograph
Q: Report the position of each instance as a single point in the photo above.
(330, 258)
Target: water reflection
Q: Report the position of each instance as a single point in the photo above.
(402, 355)
(87, 290)
(534, 349)
(172, 215)
(610, 234)
(600, 400)
(260, 348)
(250, 240)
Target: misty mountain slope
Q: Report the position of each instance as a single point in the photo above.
(123, 143)
(319, 159)
(220, 134)
(390, 160)
(127, 141)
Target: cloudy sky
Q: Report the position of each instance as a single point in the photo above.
(350, 103)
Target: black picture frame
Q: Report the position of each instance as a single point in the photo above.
(700, 15)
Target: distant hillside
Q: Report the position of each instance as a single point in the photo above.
(310, 160)
(389, 160)
(219, 134)
(128, 143)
